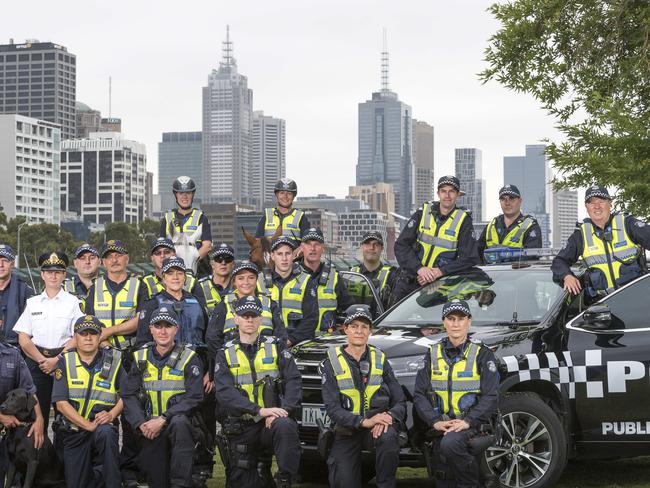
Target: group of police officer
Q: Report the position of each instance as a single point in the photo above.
(182, 365)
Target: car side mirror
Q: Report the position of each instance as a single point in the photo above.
(597, 317)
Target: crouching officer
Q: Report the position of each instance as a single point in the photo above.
(456, 395)
(86, 393)
(258, 389)
(163, 390)
(366, 405)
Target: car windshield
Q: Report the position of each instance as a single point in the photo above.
(493, 294)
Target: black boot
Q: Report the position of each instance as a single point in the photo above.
(282, 480)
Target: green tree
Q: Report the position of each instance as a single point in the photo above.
(136, 238)
(587, 63)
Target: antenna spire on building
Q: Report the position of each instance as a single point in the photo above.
(384, 64)
(110, 97)
(228, 59)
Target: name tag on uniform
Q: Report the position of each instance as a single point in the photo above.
(191, 300)
(449, 232)
(37, 313)
(126, 304)
(192, 227)
(103, 384)
(267, 360)
(77, 382)
(464, 374)
(290, 226)
(175, 372)
(620, 244)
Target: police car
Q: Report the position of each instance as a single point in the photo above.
(575, 379)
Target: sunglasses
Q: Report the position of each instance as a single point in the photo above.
(223, 259)
(162, 325)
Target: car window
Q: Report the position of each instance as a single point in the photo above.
(361, 290)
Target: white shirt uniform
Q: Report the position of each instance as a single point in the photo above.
(49, 321)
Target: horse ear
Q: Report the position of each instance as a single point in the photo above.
(249, 237)
(278, 232)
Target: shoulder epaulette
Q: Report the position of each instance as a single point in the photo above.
(475, 341)
(229, 344)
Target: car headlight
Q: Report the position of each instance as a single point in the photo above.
(406, 366)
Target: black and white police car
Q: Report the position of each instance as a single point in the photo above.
(575, 380)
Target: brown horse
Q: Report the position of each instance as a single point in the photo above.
(260, 249)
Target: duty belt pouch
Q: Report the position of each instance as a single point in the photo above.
(325, 439)
(106, 364)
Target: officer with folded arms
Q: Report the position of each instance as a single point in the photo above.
(86, 263)
(258, 389)
(86, 393)
(13, 295)
(366, 405)
(161, 249)
(163, 390)
(456, 393)
(213, 288)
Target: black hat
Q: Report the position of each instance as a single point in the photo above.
(456, 306)
(313, 234)
(162, 242)
(114, 245)
(279, 241)
(355, 312)
(286, 184)
(84, 248)
(7, 252)
(250, 305)
(245, 265)
(597, 191)
(56, 261)
(452, 181)
(88, 322)
(164, 314)
(183, 184)
(373, 235)
(510, 190)
(173, 262)
(222, 249)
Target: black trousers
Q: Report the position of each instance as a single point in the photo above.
(43, 383)
(91, 459)
(452, 454)
(282, 436)
(167, 459)
(344, 461)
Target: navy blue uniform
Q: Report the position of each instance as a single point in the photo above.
(303, 224)
(12, 303)
(206, 231)
(532, 237)
(305, 327)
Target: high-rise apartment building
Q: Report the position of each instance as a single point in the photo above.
(38, 80)
(179, 154)
(565, 216)
(30, 165)
(268, 157)
(423, 182)
(469, 170)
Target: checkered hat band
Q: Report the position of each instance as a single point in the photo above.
(248, 307)
(509, 192)
(312, 236)
(448, 182)
(457, 307)
(7, 254)
(283, 240)
(164, 317)
(173, 264)
(245, 266)
(598, 194)
(223, 251)
(358, 315)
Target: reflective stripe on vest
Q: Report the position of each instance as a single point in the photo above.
(345, 381)
(436, 240)
(155, 285)
(87, 389)
(267, 315)
(113, 310)
(162, 384)
(290, 223)
(291, 297)
(327, 301)
(265, 364)
(601, 255)
(69, 286)
(514, 238)
(358, 289)
(210, 293)
(455, 379)
(190, 230)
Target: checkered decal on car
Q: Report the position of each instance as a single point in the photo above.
(565, 369)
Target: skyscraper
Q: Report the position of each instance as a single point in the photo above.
(179, 154)
(423, 182)
(227, 132)
(565, 216)
(469, 170)
(531, 174)
(40, 80)
(385, 141)
(268, 157)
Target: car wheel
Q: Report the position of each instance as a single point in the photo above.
(531, 450)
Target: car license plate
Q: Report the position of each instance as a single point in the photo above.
(311, 413)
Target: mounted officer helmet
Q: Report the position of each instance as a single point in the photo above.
(184, 184)
(286, 184)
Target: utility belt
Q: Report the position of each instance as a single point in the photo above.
(62, 425)
(49, 352)
(236, 425)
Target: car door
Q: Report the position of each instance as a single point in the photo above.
(362, 289)
(608, 374)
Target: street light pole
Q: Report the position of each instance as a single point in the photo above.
(18, 253)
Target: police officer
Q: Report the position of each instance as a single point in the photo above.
(610, 244)
(13, 295)
(222, 326)
(14, 374)
(438, 240)
(381, 275)
(212, 288)
(86, 393)
(45, 328)
(365, 402)
(161, 249)
(294, 222)
(511, 229)
(330, 291)
(250, 372)
(186, 226)
(86, 263)
(456, 392)
(163, 390)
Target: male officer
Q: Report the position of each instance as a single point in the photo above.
(511, 229)
(456, 392)
(381, 275)
(186, 226)
(611, 245)
(212, 288)
(13, 296)
(86, 263)
(330, 291)
(167, 376)
(161, 249)
(293, 221)
(438, 240)
(86, 393)
(258, 389)
(365, 402)
(223, 327)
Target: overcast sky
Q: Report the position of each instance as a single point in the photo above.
(308, 62)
